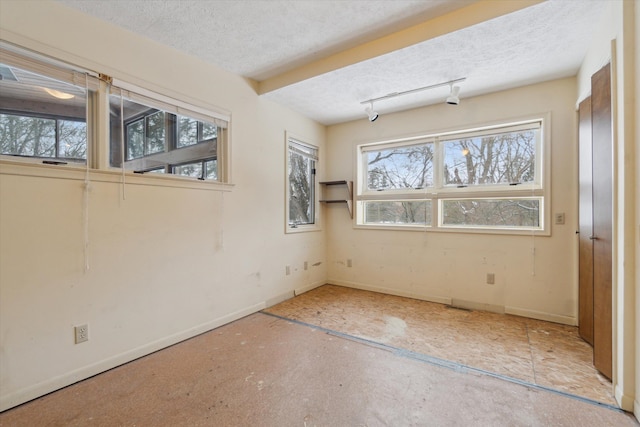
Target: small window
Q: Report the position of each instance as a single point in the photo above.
(301, 185)
(156, 140)
(42, 117)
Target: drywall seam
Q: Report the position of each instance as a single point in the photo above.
(40, 389)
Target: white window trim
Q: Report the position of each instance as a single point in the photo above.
(301, 228)
(97, 125)
(541, 188)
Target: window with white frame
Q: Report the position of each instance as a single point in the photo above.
(49, 109)
(42, 111)
(487, 179)
(160, 138)
(301, 185)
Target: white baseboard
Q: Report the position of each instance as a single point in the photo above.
(636, 410)
(279, 298)
(389, 291)
(307, 288)
(541, 315)
(471, 305)
(21, 396)
(626, 402)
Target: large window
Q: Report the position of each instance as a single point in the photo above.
(301, 185)
(55, 113)
(487, 179)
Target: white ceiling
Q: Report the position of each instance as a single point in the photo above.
(267, 39)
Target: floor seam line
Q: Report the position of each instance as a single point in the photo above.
(533, 362)
(435, 361)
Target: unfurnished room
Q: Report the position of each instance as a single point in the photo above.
(319, 213)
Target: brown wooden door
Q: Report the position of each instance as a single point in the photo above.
(602, 218)
(585, 223)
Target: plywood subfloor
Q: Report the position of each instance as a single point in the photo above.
(537, 352)
(266, 371)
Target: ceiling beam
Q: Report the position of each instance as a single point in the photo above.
(480, 11)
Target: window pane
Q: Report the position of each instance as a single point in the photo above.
(191, 169)
(38, 106)
(187, 131)
(301, 188)
(499, 158)
(135, 139)
(27, 136)
(401, 212)
(155, 133)
(149, 133)
(211, 169)
(209, 131)
(73, 139)
(512, 213)
(402, 167)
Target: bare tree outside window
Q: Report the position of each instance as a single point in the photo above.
(520, 212)
(72, 137)
(491, 159)
(398, 212)
(187, 131)
(402, 167)
(504, 161)
(42, 137)
(301, 177)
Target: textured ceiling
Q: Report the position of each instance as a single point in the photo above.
(260, 39)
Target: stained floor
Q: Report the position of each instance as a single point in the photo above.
(267, 371)
(537, 352)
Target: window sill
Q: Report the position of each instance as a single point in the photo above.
(302, 229)
(78, 173)
(458, 230)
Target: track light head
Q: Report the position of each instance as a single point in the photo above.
(453, 96)
(372, 114)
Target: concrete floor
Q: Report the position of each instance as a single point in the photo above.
(264, 370)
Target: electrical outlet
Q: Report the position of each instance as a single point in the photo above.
(306, 265)
(559, 218)
(349, 263)
(287, 270)
(491, 278)
(82, 333)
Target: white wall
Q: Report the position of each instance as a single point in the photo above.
(166, 263)
(444, 266)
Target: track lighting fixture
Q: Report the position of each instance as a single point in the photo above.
(372, 114)
(453, 96)
(452, 99)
